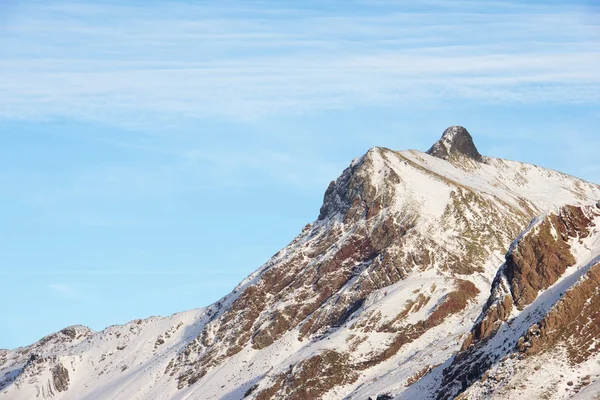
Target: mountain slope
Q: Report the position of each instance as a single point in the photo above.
(370, 298)
(538, 334)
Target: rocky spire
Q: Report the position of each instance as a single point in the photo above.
(455, 140)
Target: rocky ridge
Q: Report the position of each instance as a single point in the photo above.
(374, 297)
(542, 314)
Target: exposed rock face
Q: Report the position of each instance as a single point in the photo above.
(312, 378)
(3, 354)
(353, 193)
(536, 261)
(60, 378)
(455, 140)
(574, 322)
(541, 258)
(496, 312)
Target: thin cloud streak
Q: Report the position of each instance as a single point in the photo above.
(253, 61)
(63, 290)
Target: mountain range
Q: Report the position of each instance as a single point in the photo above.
(427, 275)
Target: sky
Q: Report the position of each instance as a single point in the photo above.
(154, 153)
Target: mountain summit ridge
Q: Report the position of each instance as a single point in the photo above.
(376, 296)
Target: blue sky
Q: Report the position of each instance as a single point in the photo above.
(153, 154)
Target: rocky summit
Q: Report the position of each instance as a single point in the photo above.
(455, 140)
(427, 275)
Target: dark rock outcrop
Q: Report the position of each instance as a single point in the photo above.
(60, 378)
(455, 140)
(312, 378)
(541, 258)
(353, 195)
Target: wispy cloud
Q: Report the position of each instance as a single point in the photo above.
(63, 290)
(134, 65)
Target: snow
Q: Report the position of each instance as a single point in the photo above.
(98, 364)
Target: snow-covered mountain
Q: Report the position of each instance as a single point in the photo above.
(426, 275)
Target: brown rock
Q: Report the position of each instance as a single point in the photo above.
(60, 378)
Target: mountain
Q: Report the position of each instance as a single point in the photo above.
(435, 275)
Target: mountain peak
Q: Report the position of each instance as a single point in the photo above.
(455, 140)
